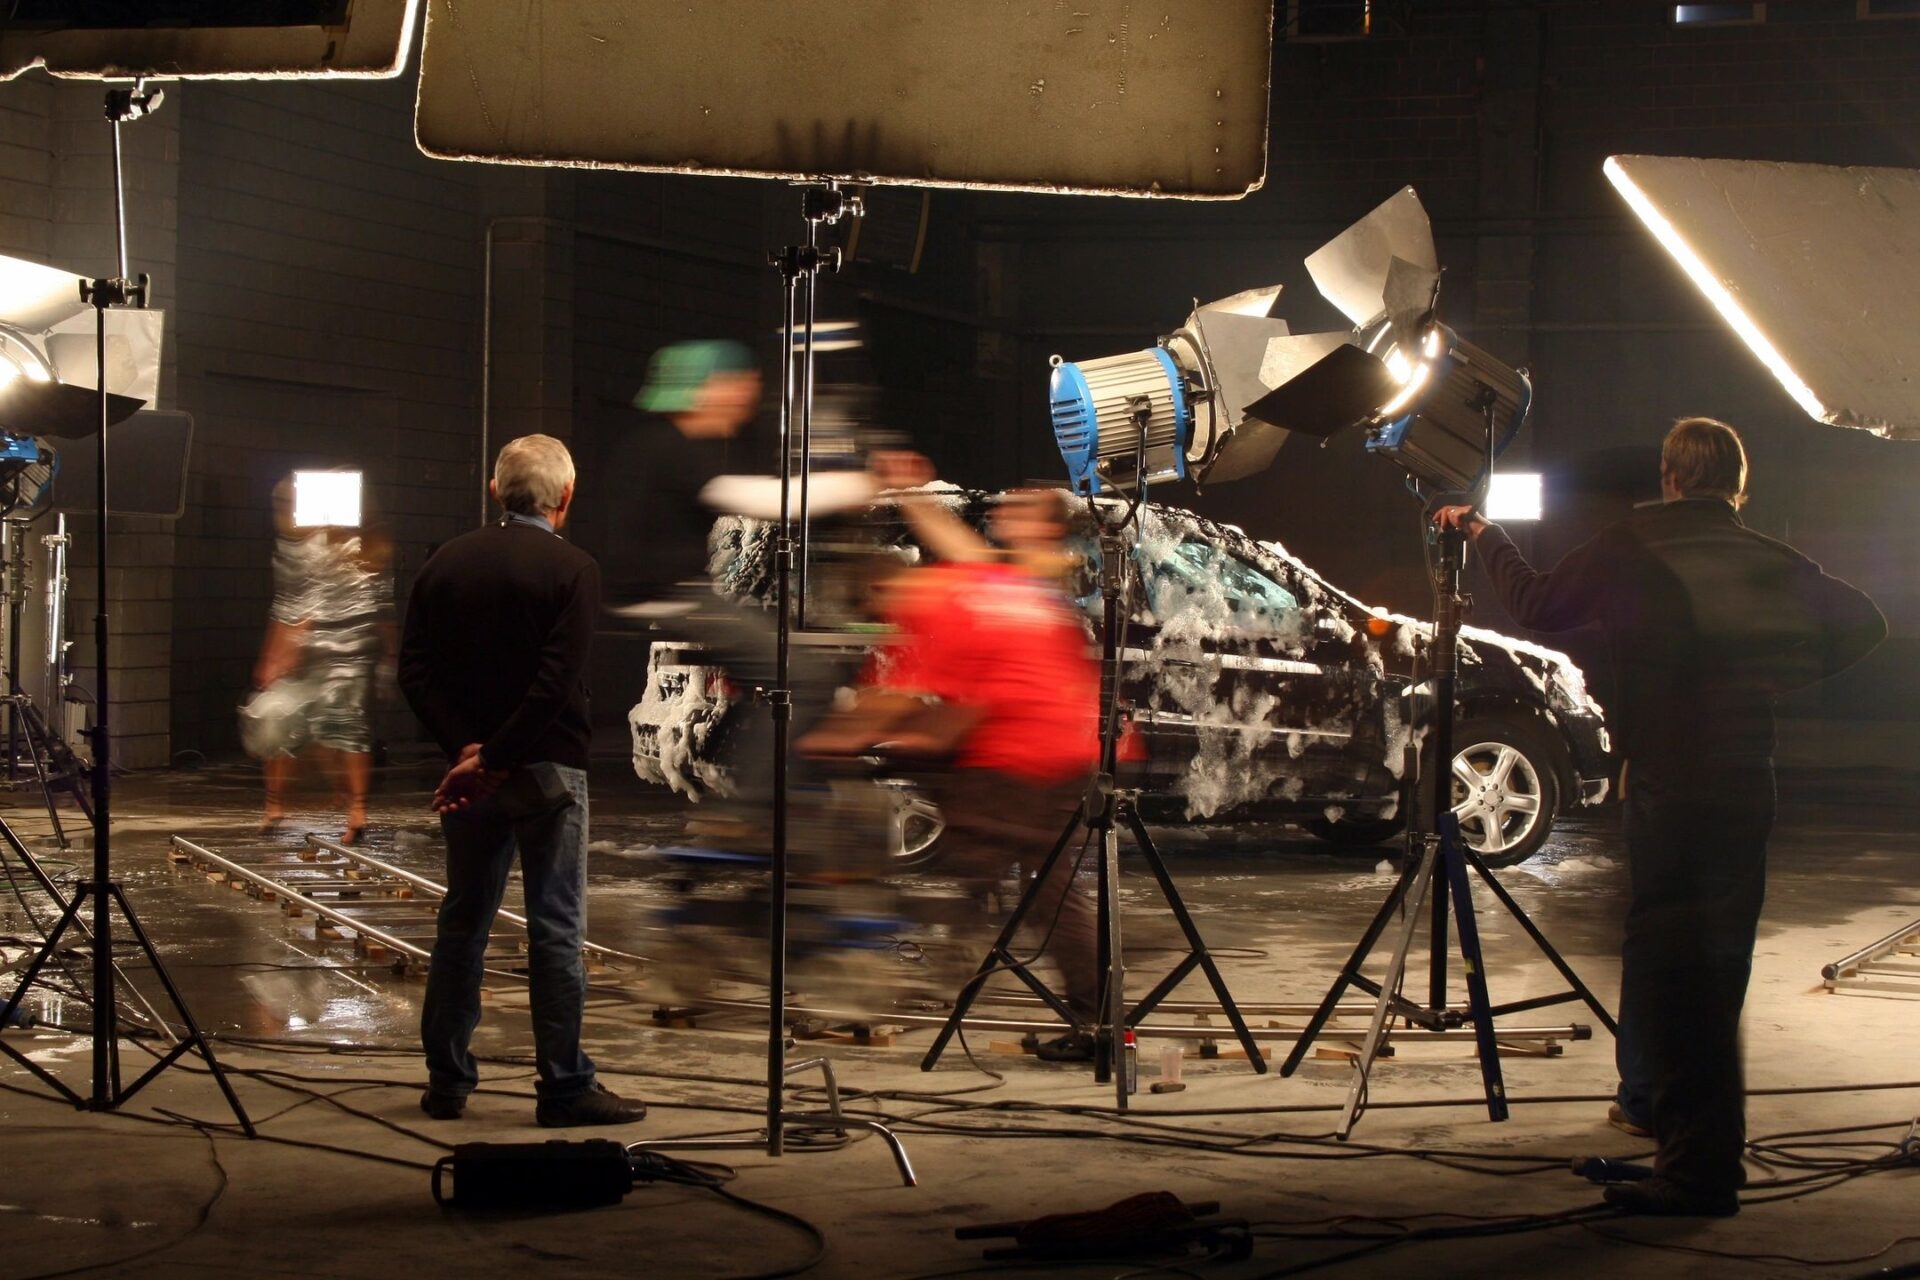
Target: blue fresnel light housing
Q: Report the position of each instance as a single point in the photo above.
(1215, 399)
(1125, 417)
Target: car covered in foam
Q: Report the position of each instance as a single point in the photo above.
(1251, 688)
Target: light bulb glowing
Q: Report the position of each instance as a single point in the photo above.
(1411, 388)
(11, 369)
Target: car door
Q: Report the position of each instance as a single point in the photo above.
(1226, 661)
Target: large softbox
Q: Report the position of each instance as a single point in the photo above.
(1100, 96)
(207, 39)
(1815, 266)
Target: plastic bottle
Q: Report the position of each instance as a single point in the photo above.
(1130, 1063)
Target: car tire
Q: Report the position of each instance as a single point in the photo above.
(1506, 787)
(915, 827)
(1357, 833)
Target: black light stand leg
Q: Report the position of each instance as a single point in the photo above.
(36, 731)
(194, 1039)
(1103, 812)
(1580, 991)
(1197, 953)
(1438, 881)
(1479, 1007)
(1350, 974)
(71, 916)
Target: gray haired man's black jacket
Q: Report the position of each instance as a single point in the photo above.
(1707, 621)
(495, 649)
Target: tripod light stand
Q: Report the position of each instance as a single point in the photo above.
(107, 1091)
(821, 205)
(1105, 809)
(1437, 879)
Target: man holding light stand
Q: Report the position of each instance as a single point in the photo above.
(1706, 621)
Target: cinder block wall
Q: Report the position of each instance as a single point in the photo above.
(329, 315)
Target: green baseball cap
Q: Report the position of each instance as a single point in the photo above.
(679, 370)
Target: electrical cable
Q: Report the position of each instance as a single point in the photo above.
(654, 1166)
(1820, 1153)
(201, 1216)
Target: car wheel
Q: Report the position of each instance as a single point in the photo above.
(1357, 833)
(914, 826)
(1505, 788)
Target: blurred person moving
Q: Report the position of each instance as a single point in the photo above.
(1706, 621)
(990, 632)
(674, 471)
(698, 398)
(328, 630)
(494, 662)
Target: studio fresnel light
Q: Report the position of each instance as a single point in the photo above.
(1214, 399)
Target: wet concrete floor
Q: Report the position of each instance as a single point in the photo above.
(1281, 910)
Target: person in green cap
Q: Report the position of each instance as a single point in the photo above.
(670, 475)
(698, 398)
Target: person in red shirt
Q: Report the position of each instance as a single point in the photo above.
(989, 632)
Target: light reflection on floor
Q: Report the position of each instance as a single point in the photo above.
(1281, 908)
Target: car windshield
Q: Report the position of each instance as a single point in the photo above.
(1197, 577)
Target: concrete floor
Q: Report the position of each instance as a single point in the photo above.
(112, 1195)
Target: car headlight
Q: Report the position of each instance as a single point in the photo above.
(1567, 692)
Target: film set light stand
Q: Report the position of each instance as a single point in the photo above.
(1106, 807)
(1221, 394)
(108, 1091)
(822, 204)
(37, 753)
(1463, 409)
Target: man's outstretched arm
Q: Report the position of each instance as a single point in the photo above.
(1571, 594)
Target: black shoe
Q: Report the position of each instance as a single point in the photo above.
(1075, 1046)
(443, 1106)
(1668, 1199)
(595, 1106)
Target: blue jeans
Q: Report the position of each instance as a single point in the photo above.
(481, 842)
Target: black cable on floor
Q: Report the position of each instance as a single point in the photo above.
(199, 1222)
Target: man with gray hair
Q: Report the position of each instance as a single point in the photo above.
(494, 662)
(1707, 621)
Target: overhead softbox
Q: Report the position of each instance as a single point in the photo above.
(1097, 96)
(207, 39)
(1816, 267)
